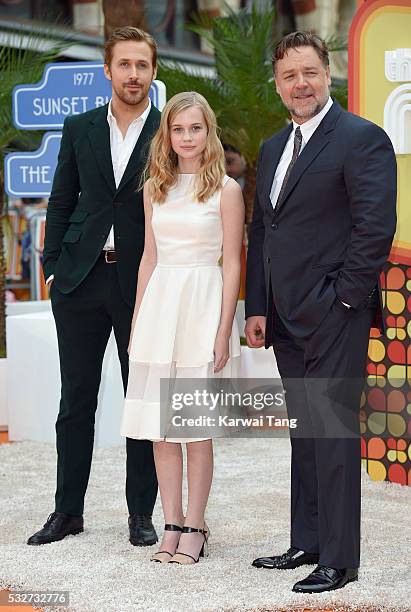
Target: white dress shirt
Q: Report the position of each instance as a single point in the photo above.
(121, 150)
(307, 130)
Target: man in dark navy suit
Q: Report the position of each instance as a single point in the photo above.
(323, 223)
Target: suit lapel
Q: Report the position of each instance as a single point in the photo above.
(315, 145)
(274, 153)
(140, 151)
(99, 136)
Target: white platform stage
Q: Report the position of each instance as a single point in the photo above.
(33, 377)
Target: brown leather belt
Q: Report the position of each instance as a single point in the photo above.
(109, 257)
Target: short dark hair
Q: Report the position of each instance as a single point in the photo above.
(230, 149)
(129, 33)
(300, 39)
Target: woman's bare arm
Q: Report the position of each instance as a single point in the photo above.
(232, 214)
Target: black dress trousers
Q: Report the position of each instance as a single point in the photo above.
(84, 320)
(326, 450)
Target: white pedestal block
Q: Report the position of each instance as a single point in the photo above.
(33, 379)
(34, 382)
(258, 363)
(3, 394)
(18, 308)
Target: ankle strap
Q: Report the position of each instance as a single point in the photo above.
(170, 527)
(193, 530)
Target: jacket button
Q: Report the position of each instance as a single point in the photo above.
(274, 226)
(267, 259)
(117, 204)
(103, 235)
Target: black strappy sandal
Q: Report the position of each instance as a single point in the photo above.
(204, 549)
(167, 527)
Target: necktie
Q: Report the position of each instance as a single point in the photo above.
(298, 140)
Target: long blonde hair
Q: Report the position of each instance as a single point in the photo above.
(162, 163)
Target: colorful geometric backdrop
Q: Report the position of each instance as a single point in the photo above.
(386, 409)
(380, 68)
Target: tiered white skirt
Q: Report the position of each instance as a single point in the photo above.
(174, 339)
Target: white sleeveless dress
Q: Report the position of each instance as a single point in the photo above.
(179, 315)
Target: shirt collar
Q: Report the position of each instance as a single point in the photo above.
(142, 118)
(308, 128)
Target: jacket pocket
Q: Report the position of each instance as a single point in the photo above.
(329, 264)
(78, 216)
(72, 235)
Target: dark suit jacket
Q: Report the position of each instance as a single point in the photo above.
(332, 231)
(84, 203)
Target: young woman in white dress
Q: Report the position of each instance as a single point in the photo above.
(183, 324)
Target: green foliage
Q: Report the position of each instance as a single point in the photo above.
(340, 93)
(20, 65)
(336, 43)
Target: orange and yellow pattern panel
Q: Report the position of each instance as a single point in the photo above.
(379, 85)
(386, 410)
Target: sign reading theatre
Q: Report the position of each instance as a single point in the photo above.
(31, 174)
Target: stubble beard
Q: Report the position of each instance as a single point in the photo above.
(132, 98)
(308, 112)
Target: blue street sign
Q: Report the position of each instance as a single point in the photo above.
(67, 88)
(31, 174)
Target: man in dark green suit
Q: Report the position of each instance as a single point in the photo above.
(93, 245)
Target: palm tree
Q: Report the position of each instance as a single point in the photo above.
(242, 93)
(17, 65)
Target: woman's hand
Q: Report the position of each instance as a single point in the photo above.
(221, 351)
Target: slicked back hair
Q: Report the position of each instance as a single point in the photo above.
(129, 33)
(300, 39)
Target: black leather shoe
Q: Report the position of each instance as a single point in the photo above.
(325, 579)
(294, 557)
(142, 532)
(57, 527)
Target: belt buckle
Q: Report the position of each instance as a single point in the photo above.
(106, 257)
